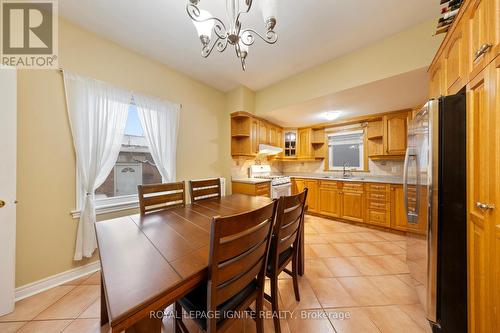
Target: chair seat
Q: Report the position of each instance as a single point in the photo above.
(283, 257)
(196, 301)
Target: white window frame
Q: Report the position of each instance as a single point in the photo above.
(362, 166)
(116, 204)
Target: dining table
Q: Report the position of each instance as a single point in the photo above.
(149, 261)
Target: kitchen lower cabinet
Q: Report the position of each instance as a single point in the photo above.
(376, 204)
(398, 211)
(298, 185)
(312, 195)
(258, 189)
(353, 205)
(329, 199)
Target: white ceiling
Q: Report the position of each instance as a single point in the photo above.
(396, 93)
(310, 33)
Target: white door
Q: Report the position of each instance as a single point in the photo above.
(127, 177)
(8, 123)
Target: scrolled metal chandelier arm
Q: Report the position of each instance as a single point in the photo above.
(219, 43)
(219, 26)
(248, 37)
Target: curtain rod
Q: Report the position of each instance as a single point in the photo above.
(61, 70)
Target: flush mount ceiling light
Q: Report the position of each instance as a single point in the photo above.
(332, 115)
(209, 26)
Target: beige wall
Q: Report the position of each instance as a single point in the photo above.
(46, 160)
(405, 51)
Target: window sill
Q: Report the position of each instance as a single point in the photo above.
(110, 208)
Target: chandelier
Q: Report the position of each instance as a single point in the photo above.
(214, 33)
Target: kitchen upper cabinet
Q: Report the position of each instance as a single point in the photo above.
(396, 129)
(304, 142)
(244, 135)
(263, 132)
(290, 144)
(437, 80)
(386, 138)
(248, 131)
(481, 31)
(483, 176)
(455, 60)
(273, 136)
(329, 199)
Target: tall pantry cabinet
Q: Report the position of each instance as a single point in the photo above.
(469, 56)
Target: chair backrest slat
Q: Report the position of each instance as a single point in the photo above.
(289, 221)
(204, 189)
(244, 242)
(238, 252)
(161, 196)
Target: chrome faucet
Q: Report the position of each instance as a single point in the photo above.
(346, 173)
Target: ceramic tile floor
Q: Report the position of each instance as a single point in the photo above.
(356, 280)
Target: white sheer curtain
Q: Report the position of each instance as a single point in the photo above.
(160, 122)
(98, 114)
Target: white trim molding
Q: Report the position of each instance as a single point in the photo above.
(118, 204)
(110, 208)
(36, 287)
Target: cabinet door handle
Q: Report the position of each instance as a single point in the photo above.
(484, 206)
(482, 50)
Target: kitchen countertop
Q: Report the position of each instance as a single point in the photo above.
(361, 179)
(251, 180)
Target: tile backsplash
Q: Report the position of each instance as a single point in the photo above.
(239, 168)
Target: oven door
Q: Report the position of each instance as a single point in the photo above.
(281, 190)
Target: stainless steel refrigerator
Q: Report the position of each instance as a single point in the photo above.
(435, 194)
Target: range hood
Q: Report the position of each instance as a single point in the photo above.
(269, 150)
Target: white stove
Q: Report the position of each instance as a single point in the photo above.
(280, 185)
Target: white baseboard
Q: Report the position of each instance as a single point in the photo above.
(36, 287)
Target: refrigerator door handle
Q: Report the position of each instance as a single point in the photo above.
(412, 217)
(405, 180)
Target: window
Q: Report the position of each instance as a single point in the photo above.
(346, 149)
(133, 167)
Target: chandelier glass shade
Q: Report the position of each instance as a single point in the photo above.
(215, 34)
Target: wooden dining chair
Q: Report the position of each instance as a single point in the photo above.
(157, 197)
(204, 189)
(239, 246)
(285, 245)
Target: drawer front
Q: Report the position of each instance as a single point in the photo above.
(262, 189)
(378, 196)
(328, 184)
(356, 187)
(378, 187)
(380, 205)
(378, 217)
